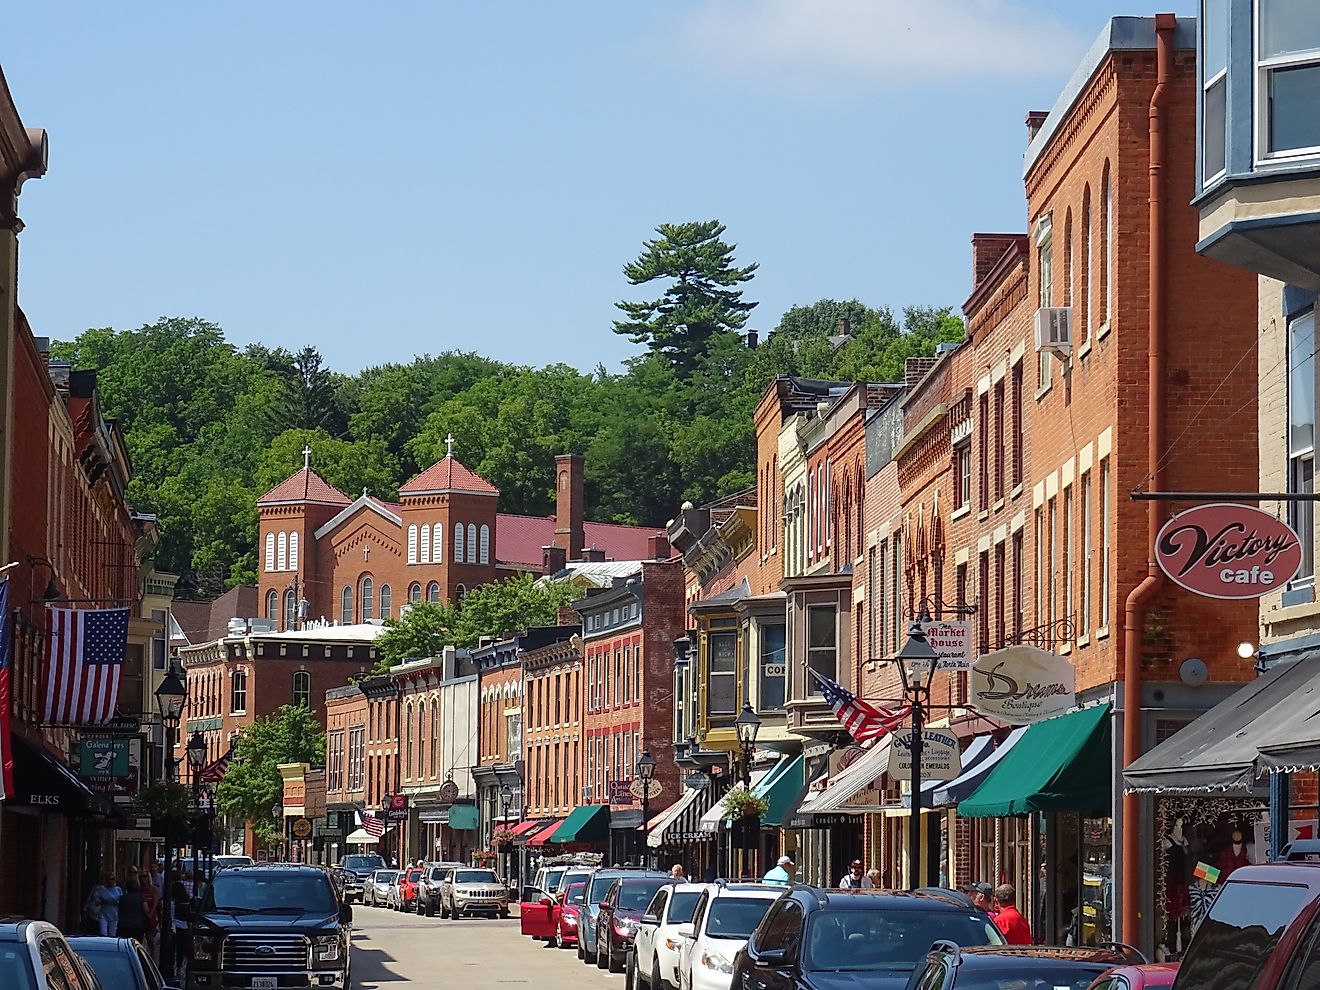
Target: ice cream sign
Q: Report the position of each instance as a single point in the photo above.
(1224, 550)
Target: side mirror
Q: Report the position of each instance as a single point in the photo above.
(686, 931)
(346, 914)
(650, 919)
(771, 958)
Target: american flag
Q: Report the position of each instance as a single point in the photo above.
(370, 823)
(862, 721)
(85, 658)
(215, 773)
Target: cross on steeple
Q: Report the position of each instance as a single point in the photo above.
(449, 445)
(307, 458)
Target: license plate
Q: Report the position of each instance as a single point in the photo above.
(265, 983)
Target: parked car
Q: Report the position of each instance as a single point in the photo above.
(408, 888)
(1261, 928)
(468, 890)
(724, 918)
(357, 869)
(597, 887)
(571, 900)
(877, 937)
(376, 887)
(392, 890)
(428, 889)
(1137, 977)
(34, 955)
(656, 946)
(619, 914)
(950, 967)
(119, 963)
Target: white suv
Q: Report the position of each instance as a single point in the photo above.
(654, 959)
(724, 918)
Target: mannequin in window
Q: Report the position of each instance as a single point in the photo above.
(1233, 856)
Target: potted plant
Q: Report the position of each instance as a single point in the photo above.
(165, 802)
(742, 803)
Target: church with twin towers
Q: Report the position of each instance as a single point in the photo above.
(323, 555)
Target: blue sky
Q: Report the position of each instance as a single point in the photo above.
(474, 176)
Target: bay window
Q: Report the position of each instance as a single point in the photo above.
(822, 644)
(770, 693)
(722, 673)
(1288, 76)
(1301, 439)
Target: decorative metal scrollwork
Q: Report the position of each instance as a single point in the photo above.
(932, 608)
(1046, 636)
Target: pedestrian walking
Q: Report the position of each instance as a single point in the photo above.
(150, 910)
(856, 878)
(982, 895)
(107, 896)
(783, 872)
(180, 910)
(132, 911)
(1008, 919)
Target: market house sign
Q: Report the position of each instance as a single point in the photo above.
(1224, 550)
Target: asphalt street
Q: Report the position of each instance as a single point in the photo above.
(392, 950)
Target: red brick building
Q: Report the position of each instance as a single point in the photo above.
(552, 728)
(345, 763)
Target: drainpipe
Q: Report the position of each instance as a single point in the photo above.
(1134, 613)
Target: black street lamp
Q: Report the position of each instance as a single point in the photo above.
(645, 772)
(747, 726)
(196, 750)
(506, 799)
(171, 694)
(916, 665)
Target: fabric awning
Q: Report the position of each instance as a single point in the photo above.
(585, 823)
(686, 826)
(948, 793)
(656, 836)
(1267, 725)
(1061, 764)
(544, 836)
(363, 838)
(525, 830)
(713, 820)
(861, 774)
(977, 751)
(44, 781)
(782, 789)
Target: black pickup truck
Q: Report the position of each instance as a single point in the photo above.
(270, 927)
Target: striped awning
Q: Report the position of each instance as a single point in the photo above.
(686, 826)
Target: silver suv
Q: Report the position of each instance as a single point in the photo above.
(428, 887)
(34, 954)
(473, 890)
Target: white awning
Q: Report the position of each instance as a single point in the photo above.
(856, 778)
(363, 838)
(656, 838)
(714, 820)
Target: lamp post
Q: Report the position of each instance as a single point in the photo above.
(196, 750)
(506, 799)
(171, 694)
(645, 773)
(916, 665)
(747, 726)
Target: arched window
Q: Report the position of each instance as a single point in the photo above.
(270, 551)
(407, 743)
(438, 543)
(472, 543)
(290, 607)
(346, 605)
(1085, 282)
(1107, 248)
(435, 737)
(414, 592)
(302, 688)
(485, 544)
(460, 592)
(293, 551)
(282, 553)
(412, 543)
(385, 602)
(421, 739)
(1069, 268)
(426, 543)
(238, 691)
(433, 592)
(368, 600)
(458, 543)
(272, 603)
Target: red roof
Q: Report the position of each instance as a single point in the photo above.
(305, 486)
(520, 539)
(448, 475)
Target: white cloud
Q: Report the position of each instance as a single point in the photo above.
(819, 43)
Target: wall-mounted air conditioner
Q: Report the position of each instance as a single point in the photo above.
(1054, 330)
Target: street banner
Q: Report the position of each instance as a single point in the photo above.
(1227, 550)
(1022, 684)
(940, 757)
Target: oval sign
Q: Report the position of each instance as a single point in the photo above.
(1224, 550)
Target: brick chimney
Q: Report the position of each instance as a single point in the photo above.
(553, 559)
(1035, 121)
(753, 337)
(567, 617)
(915, 369)
(987, 249)
(657, 547)
(570, 505)
(593, 555)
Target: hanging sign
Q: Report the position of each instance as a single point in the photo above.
(940, 757)
(1226, 550)
(952, 640)
(651, 788)
(1022, 684)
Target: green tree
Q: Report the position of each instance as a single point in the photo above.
(701, 299)
(252, 786)
(310, 398)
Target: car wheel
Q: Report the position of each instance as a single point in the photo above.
(630, 972)
(657, 981)
(430, 908)
(581, 949)
(602, 953)
(612, 964)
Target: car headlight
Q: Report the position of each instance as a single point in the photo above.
(625, 927)
(717, 962)
(205, 949)
(325, 948)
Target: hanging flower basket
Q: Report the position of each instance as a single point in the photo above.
(742, 803)
(165, 801)
(502, 837)
(485, 856)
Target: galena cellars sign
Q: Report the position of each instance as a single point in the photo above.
(1225, 550)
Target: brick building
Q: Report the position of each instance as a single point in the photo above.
(498, 768)
(552, 728)
(360, 560)
(345, 764)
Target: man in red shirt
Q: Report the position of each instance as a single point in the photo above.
(1009, 920)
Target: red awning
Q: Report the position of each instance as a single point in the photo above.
(543, 836)
(522, 828)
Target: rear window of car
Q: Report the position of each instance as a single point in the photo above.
(736, 917)
(1244, 925)
(1064, 976)
(113, 969)
(866, 941)
(16, 966)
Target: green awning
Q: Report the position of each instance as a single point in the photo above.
(585, 823)
(782, 787)
(1061, 764)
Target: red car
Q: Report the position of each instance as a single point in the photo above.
(571, 900)
(1137, 977)
(408, 890)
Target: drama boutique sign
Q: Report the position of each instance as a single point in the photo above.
(1022, 684)
(1224, 550)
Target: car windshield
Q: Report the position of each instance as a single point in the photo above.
(861, 941)
(113, 969)
(414, 876)
(274, 892)
(575, 892)
(384, 876)
(363, 863)
(1245, 923)
(1063, 976)
(634, 895)
(600, 886)
(736, 917)
(15, 967)
(438, 873)
(475, 876)
(681, 906)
